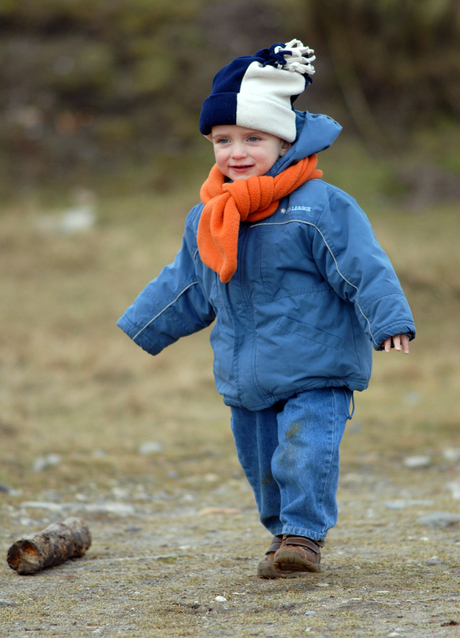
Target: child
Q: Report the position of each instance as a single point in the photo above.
(290, 270)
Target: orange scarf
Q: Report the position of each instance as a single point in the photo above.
(229, 203)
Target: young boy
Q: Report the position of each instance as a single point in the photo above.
(290, 270)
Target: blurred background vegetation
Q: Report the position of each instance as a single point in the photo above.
(97, 92)
(99, 103)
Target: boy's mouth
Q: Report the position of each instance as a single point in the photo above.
(241, 167)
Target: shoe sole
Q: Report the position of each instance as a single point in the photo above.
(271, 573)
(292, 562)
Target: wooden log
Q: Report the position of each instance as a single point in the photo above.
(51, 546)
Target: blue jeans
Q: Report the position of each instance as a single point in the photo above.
(290, 455)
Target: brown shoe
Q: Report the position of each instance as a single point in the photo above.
(265, 568)
(298, 554)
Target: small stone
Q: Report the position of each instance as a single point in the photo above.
(150, 447)
(120, 492)
(6, 489)
(310, 613)
(43, 505)
(414, 462)
(434, 560)
(133, 529)
(44, 462)
(439, 519)
(75, 219)
(27, 522)
(220, 599)
(4, 602)
(454, 487)
(451, 454)
(401, 504)
(119, 509)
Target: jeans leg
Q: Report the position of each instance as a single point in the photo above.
(256, 438)
(306, 462)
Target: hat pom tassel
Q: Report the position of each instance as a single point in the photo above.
(297, 57)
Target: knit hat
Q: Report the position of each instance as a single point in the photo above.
(258, 91)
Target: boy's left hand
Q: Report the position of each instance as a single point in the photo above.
(398, 341)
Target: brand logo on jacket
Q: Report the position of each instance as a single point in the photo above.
(294, 208)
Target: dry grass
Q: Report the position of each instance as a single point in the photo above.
(72, 383)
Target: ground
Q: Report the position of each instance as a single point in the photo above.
(157, 567)
(141, 449)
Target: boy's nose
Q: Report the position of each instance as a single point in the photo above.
(238, 150)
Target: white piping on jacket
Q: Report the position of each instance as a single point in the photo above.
(301, 221)
(194, 283)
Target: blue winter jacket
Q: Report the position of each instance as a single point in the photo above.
(312, 294)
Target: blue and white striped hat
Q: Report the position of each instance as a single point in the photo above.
(258, 91)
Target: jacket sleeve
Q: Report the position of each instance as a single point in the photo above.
(357, 268)
(171, 306)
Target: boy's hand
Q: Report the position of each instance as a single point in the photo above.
(398, 341)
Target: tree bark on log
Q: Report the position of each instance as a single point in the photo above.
(51, 546)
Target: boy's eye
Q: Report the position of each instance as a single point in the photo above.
(223, 140)
(253, 138)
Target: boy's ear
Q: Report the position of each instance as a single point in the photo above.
(285, 146)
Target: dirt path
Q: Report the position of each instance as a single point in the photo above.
(159, 561)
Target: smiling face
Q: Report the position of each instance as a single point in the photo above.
(242, 152)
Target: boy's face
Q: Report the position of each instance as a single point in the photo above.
(242, 152)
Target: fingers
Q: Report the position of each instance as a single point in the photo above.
(399, 342)
(405, 343)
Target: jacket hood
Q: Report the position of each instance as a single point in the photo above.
(315, 133)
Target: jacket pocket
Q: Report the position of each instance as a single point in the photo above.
(309, 332)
